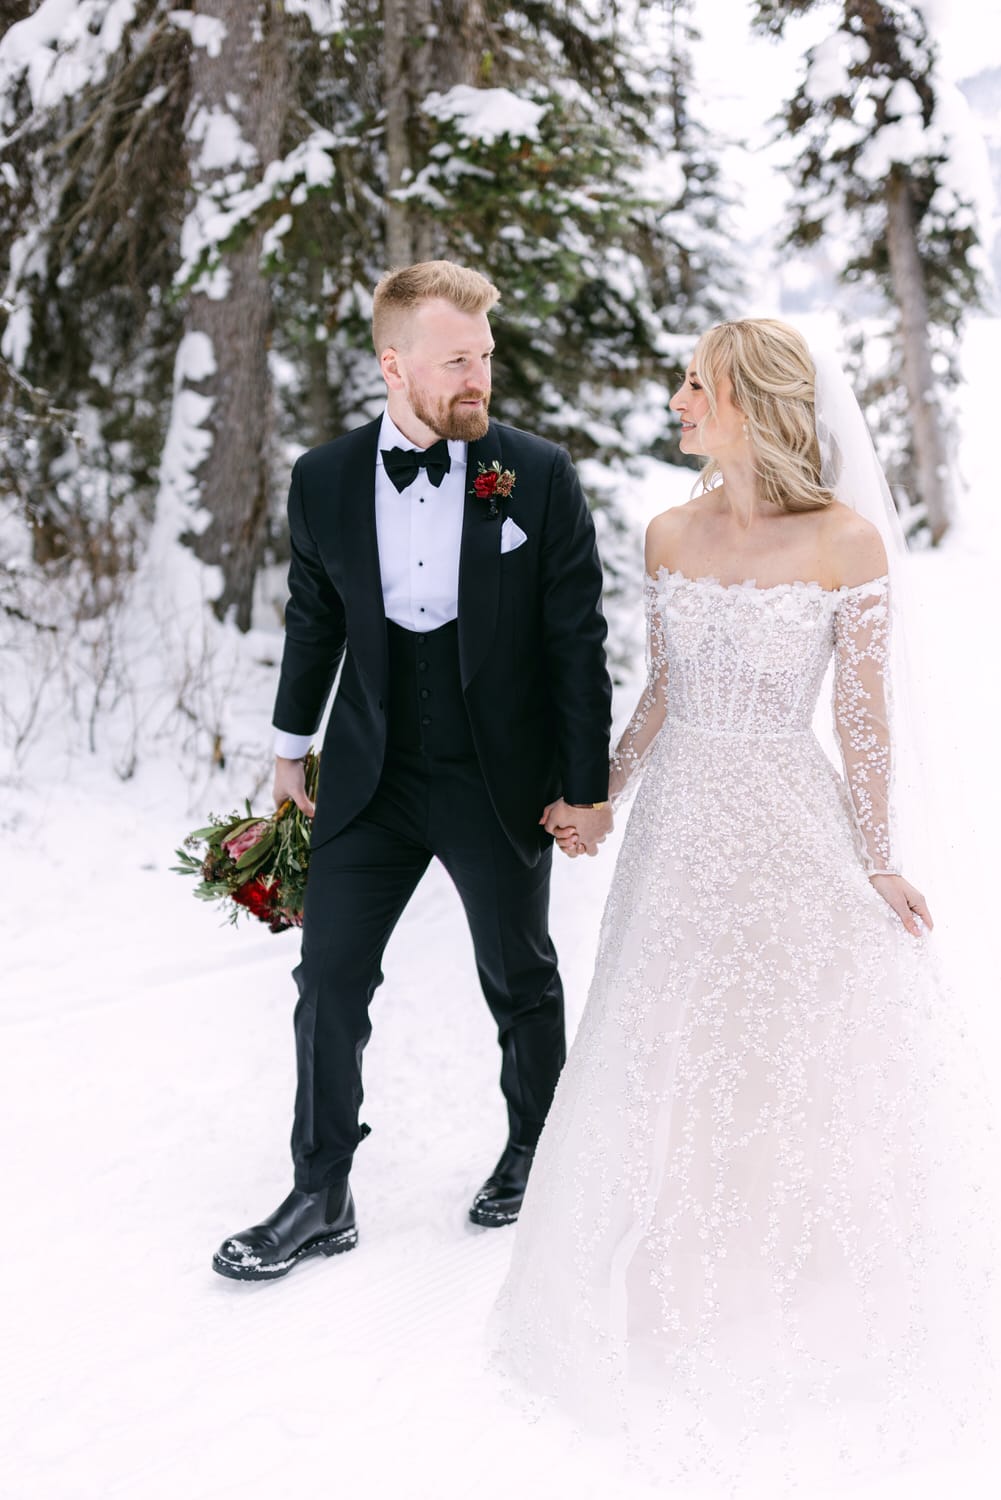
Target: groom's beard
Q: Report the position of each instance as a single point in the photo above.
(448, 419)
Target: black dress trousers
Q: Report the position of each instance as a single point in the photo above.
(431, 802)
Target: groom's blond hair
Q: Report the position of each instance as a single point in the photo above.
(401, 292)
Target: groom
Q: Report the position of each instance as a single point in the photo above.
(447, 564)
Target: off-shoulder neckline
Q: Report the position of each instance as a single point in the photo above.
(749, 585)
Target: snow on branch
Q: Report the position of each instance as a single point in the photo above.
(205, 31)
(223, 147)
(486, 114)
(61, 49)
(325, 16)
(230, 206)
(829, 66)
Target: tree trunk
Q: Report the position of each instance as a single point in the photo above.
(459, 40)
(397, 23)
(678, 69)
(319, 418)
(419, 58)
(248, 80)
(931, 461)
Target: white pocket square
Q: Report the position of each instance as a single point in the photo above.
(511, 535)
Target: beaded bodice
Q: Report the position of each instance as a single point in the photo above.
(735, 659)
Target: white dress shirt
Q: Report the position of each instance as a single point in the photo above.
(419, 531)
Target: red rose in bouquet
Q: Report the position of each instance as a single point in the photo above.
(257, 897)
(253, 864)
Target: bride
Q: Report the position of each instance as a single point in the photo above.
(752, 1223)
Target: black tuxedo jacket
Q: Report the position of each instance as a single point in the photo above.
(531, 632)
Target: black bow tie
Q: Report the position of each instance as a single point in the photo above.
(404, 464)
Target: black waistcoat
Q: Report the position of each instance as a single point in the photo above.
(426, 709)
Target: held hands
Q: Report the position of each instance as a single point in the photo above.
(906, 900)
(577, 830)
(290, 785)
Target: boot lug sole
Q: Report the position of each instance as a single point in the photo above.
(493, 1218)
(336, 1244)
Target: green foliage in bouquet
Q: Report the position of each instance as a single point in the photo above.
(254, 864)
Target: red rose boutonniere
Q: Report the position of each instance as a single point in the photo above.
(493, 482)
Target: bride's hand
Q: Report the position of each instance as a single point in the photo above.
(906, 900)
(565, 835)
(568, 840)
(578, 829)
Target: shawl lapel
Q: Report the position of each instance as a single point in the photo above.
(360, 543)
(479, 562)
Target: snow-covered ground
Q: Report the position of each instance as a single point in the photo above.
(146, 1078)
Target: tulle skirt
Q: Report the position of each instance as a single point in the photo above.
(758, 1237)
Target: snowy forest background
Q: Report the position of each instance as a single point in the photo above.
(195, 203)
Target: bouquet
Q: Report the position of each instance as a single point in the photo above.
(254, 864)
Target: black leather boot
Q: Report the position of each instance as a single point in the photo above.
(499, 1199)
(320, 1223)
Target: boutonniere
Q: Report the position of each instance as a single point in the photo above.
(493, 482)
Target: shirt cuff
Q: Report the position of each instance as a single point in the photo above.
(291, 746)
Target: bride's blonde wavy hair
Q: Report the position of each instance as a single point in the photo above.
(772, 383)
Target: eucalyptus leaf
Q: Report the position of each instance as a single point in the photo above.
(204, 835)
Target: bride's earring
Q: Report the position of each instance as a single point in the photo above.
(745, 430)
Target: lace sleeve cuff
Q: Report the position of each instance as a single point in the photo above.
(862, 715)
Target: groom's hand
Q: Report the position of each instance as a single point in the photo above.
(290, 784)
(577, 830)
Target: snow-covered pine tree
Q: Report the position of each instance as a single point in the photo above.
(556, 164)
(92, 103)
(558, 156)
(551, 148)
(879, 178)
(705, 284)
(121, 197)
(234, 132)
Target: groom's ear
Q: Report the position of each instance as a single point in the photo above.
(390, 367)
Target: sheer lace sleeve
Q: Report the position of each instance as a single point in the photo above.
(648, 716)
(862, 717)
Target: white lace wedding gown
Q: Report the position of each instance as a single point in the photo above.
(752, 1225)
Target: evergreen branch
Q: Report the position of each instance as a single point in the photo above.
(47, 414)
